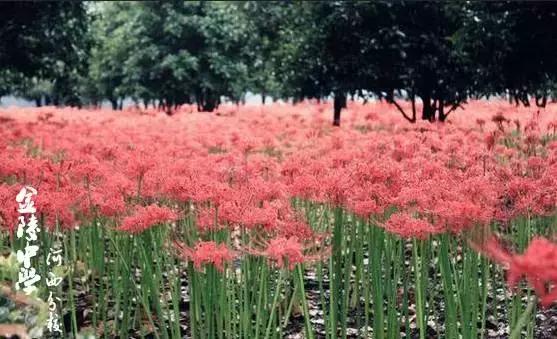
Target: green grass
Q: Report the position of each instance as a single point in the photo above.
(373, 281)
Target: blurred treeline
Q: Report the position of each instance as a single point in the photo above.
(165, 54)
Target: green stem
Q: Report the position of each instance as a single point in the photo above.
(307, 324)
(515, 334)
(274, 306)
(419, 296)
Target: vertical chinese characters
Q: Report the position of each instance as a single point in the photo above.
(54, 258)
(27, 228)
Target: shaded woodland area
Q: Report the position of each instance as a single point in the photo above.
(436, 55)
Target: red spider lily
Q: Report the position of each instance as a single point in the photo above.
(286, 252)
(250, 165)
(538, 265)
(205, 253)
(139, 162)
(552, 126)
(59, 172)
(293, 226)
(57, 204)
(16, 162)
(406, 226)
(490, 140)
(8, 207)
(206, 219)
(146, 217)
(89, 170)
(105, 200)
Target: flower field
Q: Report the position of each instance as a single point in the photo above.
(268, 222)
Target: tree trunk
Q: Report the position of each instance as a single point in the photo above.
(441, 110)
(413, 101)
(339, 103)
(207, 101)
(263, 98)
(541, 101)
(113, 103)
(428, 111)
(38, 102)
(209, 104)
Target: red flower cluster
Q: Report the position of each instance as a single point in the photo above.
(285, 252)
(538, 265)
(206, 252)
(242, 171)
(146, 217)
(407, 226)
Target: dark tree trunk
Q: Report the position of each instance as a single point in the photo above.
(413, 101)
(428, 110)
(541, 101)
(167, 106)
(209, 104)
(207, 101)
(525, 100)
(38, 102)
(339, 103)
(263, 98)
(441, 110)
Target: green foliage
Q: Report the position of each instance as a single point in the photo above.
(264, 23)
(43, 42)
(442, 53)
(166, 54)
(169, 53)
(381, 48)
(514, 42)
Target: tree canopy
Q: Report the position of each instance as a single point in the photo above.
(436, 55)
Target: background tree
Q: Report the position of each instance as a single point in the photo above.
(430, 63)
(40, 43)
(265, 22)
(514, 46)
(436, 55)
(171, 53)
(389, 50)
(316, 57)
